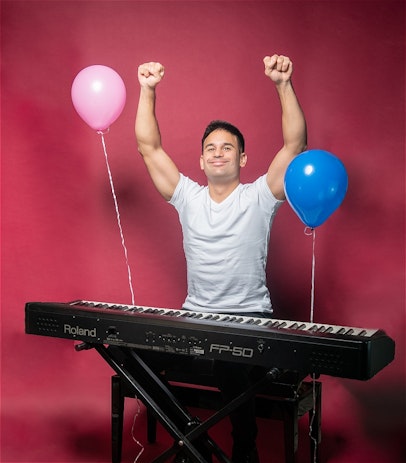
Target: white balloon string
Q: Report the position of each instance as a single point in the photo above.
(118, 219)
(312, 232)
(137, 413)
(314, 439)
(313, 272)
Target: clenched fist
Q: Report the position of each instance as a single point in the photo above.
(150, 74)
(278, 68)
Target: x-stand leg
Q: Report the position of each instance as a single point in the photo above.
(175, 418)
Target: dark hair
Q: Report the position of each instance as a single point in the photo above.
(223, 125)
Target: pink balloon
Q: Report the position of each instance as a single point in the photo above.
(98, 95)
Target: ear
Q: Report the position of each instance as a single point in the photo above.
(201, 162)
(243, 160)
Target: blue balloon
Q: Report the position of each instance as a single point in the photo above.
(315, 185)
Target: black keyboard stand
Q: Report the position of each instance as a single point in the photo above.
(174, 417)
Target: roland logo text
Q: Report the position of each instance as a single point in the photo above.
(78, 331)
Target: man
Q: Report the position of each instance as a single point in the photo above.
(226, 224)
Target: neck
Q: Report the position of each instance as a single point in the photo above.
(220, 191)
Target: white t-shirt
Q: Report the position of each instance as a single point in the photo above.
(226, 246)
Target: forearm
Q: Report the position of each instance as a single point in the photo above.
(294, 129)
(146, 125)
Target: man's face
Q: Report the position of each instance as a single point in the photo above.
(221, 157)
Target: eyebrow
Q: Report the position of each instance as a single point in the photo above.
(222, 144)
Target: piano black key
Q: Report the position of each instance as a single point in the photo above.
(267, 323)
(186, 314)
(172, 313)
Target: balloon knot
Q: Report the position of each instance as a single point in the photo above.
(308, 231)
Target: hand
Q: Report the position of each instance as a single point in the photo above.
(278, 68)
(150, 74)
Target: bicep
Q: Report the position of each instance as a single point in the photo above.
(163, 172)
(276, 172)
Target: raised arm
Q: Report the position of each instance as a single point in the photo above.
(163, 171)
(279, 69)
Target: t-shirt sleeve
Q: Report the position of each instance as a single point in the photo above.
(179, 195)
(185, 190)
(266, 196)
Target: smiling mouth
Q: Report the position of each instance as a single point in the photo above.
(218, 163)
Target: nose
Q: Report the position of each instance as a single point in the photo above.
(219, 153)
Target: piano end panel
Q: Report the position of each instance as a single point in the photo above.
(381, 353)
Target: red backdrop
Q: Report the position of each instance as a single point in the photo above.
(60, 239)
